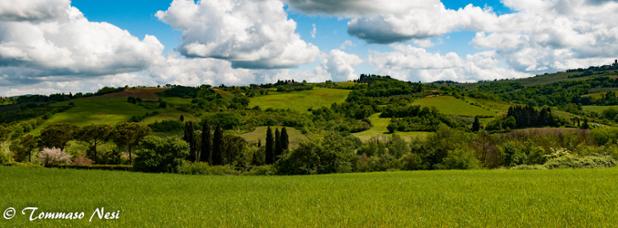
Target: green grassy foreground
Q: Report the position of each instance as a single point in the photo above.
(554, 198)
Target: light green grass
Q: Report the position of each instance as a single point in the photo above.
(96, 110)
(301, 101)
(494, 198)
(378, 130)
(295, 136)
(177, 100)
(497, 107)
(452, 106)
(598, 109)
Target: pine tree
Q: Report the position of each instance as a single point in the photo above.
(189, 137)
(206, 156)
(285, 140)
(476, 126)
(585, 125)
(217, 145)
(269, 146)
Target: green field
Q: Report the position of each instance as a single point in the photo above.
(482, 198)
(598, 109)
(96, 110)
(295, 136)
(301, 101)
(378, 130)
(452, 106)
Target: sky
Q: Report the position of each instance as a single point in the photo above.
(61, 46)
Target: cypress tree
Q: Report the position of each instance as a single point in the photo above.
(285, 140)
(269, 146)
(189, 137)
(217, 145)
(278, 149)
(206, 156)
(476, 126)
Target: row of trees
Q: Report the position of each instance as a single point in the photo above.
(277, 145)
(127, 135)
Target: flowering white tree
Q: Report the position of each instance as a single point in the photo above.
(53, 157)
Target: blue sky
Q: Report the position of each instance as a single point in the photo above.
(138, 17)
(54, 48)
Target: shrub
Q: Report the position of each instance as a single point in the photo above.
(202, 168)
(460, 158)
(264, 170)
(54, 157)
(82, 160)
(166, 126)
(573, 161)
(158, 154)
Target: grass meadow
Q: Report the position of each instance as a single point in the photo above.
(378, 130)
(301, 101)
(479, 198)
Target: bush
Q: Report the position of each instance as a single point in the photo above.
(54, 157)
(166, 126)
(202, 168)
(573, 161)
(158, 154)
(460, 158)
(264, 170)
(82, 160)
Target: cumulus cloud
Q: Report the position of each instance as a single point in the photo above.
(250, 34)
(341, 65)
(385, 21)
(546, 35)
(41, 39)
(410, 63)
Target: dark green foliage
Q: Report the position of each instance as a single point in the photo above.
(291, 85)
(226, 120)
(156, 154)
(232, 149)
(335, 153)
(57, 135)
(129, 135)
(284, 140)
(476, 125)
(166, 126)
(278, 149)
(189, 137)
(180, 91)
(93, 135)
(270, 146)
(525, 117)
(23, 148)
(206, 155)
(409, 124)
(217, 146)
(302, 161)
(106, 90)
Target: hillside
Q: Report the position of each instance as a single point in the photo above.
(375, 123)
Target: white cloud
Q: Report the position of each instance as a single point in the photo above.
(32, 10)
(387, 21)
(546, 35)
(340, 65)
(416, 64)
(250, 34)
(41, 39)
